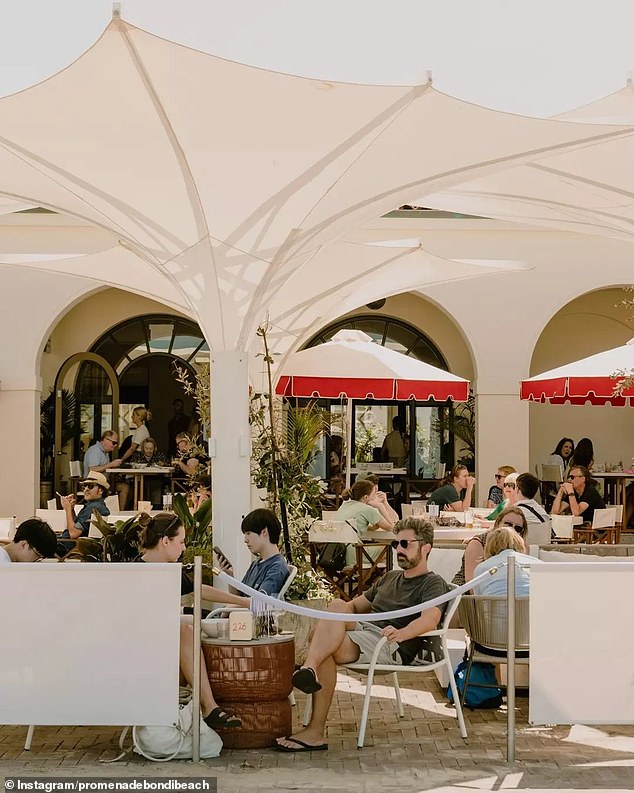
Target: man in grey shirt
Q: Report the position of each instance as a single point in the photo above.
(346, 642)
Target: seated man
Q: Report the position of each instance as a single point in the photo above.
(268, 572)
(527, 486)
(34, 540)
(578, 496)
(346, 642)
(95, 487)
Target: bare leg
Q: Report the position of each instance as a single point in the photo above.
(329, 646)
(207, 701)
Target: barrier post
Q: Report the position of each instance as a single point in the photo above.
(198, 580)
(510, 658)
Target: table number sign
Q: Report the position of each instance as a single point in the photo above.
(240, 626)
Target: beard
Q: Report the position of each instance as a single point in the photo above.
(407, 563)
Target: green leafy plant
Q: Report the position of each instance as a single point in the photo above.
(47, 429)
(461, 423)
(198, 532)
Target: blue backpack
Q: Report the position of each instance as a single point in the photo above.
(482, 691)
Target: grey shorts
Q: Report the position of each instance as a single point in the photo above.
(366, 635)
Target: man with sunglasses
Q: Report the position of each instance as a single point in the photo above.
(33, 540)
(95, 487)
(346, 642)
(97, 456)
(578, 495)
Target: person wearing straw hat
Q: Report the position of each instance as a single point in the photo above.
(95, 487)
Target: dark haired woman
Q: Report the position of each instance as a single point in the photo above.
(163, 540)
(448, 495)
(563, 453)
(583, 455)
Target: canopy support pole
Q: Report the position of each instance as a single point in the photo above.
(349, 414)
(230, 452)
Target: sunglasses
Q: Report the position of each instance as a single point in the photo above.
(517, 526)
(114, 443)
(89, 486)
(575, 476)
(499, 476)
(402, 543)
(509, 484)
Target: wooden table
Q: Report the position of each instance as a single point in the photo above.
(139, 475)
(253, 680)
(616, 483)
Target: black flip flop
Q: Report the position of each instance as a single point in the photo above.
(301, 746)
(220, 719)
(305, 680)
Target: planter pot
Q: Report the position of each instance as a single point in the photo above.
(46, 493)
(301, 626)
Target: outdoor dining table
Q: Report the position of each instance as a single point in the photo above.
(139, 475)
(615, 484)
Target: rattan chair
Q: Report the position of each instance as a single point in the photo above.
(485, 620)
(373, 669)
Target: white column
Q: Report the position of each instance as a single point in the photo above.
(230, 450)
(20, 434)
(501, 438)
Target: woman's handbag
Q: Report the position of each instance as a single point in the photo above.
(174, 742)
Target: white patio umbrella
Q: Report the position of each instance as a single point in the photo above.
(591, 379)
(352, 366)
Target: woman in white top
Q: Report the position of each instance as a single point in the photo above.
(139, 417)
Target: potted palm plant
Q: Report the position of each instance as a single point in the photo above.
(47, 437)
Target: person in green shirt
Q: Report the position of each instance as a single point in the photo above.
(454, 493)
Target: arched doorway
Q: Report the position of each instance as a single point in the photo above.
(143, 351)
(429, 443)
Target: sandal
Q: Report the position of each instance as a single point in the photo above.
(305, 680)
(218, 718)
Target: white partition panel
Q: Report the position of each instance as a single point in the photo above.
(89, 643)
(582, 646)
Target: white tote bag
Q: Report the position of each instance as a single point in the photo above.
(174, 742)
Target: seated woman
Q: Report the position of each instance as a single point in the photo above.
(499, 543)
(583, 455)
(368, 509)
(496, 494)
(562, 454)
(163, 540)
(512, 518)
(146, 454)
(578, 496)
(509, 490)
(95, 487)
(449, 496)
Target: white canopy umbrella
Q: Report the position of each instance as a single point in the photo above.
(352, 366)
(591, 379)
(226, 180)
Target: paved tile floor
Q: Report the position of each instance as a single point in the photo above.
(423, 751)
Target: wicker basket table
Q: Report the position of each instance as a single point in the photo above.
(252, 680)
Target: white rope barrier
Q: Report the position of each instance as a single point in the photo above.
(336, 616)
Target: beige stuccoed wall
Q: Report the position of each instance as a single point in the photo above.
(434, 323)
(82, 325)
(592, 323)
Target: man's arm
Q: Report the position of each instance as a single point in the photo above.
(428, 621)
(220, 596)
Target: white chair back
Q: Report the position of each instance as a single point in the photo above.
(618, 512)
(538, 533)
(74, 467)
(292, 572)
(332, 531)
(549, 473)
(112, 502)
(604, 518)
(7, 529)
(562, 526)
(440, 470)
(56, 518)
(51, 503)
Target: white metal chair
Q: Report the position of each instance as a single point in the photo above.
(56, 518)
(539, 533)
(373, 668)
(292, 572)
(74, 469)
(51, 503)
(562, 527)
(112, 502)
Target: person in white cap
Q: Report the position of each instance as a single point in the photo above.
(95, 487)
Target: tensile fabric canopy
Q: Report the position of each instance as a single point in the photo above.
(353, 366)
(591, 379)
